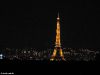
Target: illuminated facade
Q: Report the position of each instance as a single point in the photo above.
(57, 53)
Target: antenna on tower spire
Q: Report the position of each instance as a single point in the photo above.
(58, 16)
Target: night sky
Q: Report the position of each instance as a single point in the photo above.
(33, 24)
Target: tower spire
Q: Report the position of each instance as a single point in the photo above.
(58, 16)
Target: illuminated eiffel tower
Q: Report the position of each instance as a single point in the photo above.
(57, 53)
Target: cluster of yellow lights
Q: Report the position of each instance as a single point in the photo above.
(51, 59)
(61, 53)
(54, 53)
(57, 43)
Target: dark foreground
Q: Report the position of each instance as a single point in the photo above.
(49, 67)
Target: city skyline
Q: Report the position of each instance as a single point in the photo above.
(27, 37)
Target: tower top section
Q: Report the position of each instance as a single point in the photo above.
(58, 16)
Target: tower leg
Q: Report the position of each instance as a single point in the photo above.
(57, 54)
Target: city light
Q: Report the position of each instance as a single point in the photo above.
(70, 54)
(1, 56)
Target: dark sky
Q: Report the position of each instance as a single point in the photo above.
(33, 24)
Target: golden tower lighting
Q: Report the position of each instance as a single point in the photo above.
(57, 53)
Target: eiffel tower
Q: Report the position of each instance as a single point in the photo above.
(57, 53)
